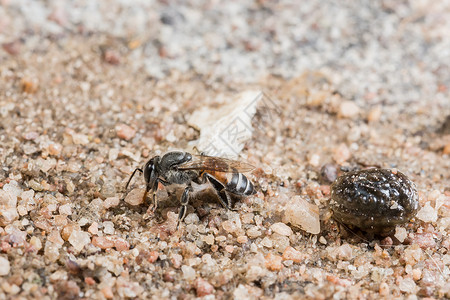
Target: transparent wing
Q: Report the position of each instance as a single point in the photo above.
(218, 164)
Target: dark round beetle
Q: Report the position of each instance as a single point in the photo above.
(374, 200)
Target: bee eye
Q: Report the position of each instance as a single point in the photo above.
(149, 169)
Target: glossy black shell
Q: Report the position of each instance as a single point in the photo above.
(374, 199)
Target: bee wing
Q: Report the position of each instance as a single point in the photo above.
(218, 164)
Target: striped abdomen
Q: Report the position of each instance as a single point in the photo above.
(237, 183)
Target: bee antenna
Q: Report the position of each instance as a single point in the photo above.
(201, 153)
(131, 177)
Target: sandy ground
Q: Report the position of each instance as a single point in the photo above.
(91, 90)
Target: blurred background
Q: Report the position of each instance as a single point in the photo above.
(375, 51)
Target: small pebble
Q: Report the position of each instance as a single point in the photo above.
(12, 48)
(292, 254)
(168, 277)
(417, 274)
(108, 227)
(31, 135)
(36, 243)
(281, 229)
(348, 109)
(113, 154)
(446, 150)
(328, 173)
(16, 236)
(93, 229)
(36, 186)
(112, 57)
(51, 251)
(121, 244)
(60, 220)
(301, 213)
(107, 292)
(89, 281)
(247, 218)
(28, 197)
(208, 239)
(127, 288)
(67, 289)
(274, 262)
(11, 289)
(65, 209)
(80, 139)
(176, 260)
(153, 256)
(427, 213)
(407, 285)
(68, 229)
(267, 242)
(111, 202)
(241, 292)
(229, 248)
(413, 254)
(384, 289)
(233, 224)
(55, 237)
(343, 252)
(59, 16)
(8, 215)
(341, 154)
(22, 210)
(135, 197)
(280, 242)
(191, 219)
(314, 160)
(102, 242)
(29, 86)
(424, 240)
(108, 189)
(242, 239)
(125, 132)
(203, 287)
(400, 234)
(254, 273)
(8, 203)
(79, 239)
(253, 232)
(374, 114)
(188, 273)
(4, 266)
(55, 149)
(73, 167)
(387, 241)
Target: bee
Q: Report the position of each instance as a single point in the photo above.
(178, 167)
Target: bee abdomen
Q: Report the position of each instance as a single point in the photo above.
(239, 184)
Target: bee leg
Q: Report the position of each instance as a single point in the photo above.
(163, 182)
(221, 191)
(154, 189)
(184, 202)
(154, 201)
(147, 190)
